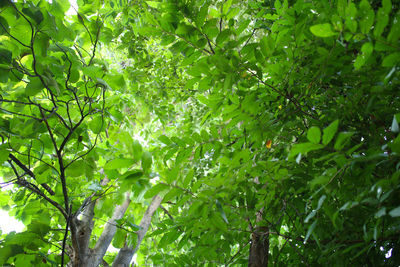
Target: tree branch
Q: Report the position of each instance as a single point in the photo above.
(126, 253)
(30, 173)
(107, 235)
(34, 189)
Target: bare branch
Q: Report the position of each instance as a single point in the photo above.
(30, 173)
(20, 114)
(34, 189)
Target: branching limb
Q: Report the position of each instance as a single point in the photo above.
(20, 114)
(126, 253)
(34, 189)
(30, 173)
(285, 95)
(106, 236)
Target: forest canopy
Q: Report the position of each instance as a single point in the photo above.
(200, 132)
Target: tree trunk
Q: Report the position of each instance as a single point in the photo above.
(259, 248)
(125, 254)
(81, 255)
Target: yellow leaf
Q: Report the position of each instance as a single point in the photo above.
(268, 144)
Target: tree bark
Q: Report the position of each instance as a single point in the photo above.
(81, 230)
(126, 253)
(96, 255)
(259, 249)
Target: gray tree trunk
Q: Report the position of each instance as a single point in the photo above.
(125, 254)
(81, 255)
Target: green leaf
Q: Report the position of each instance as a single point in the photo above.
(233, 12)
(132, 175)
(382, 20)
(329, 132)
(149, 31)
(226, 6)
(92, 71)
(168, 39)
(4, 74)
(223, 36)
(341, 7)
(310, 216)
(169, 238)
(277, 5)
(41, 44)
(183, 29)
(351, 17)
(137, 150)
(201, 16)
(310, 230)
(44, 177)
(391, 60)
(210, 28)
(267, 46)
(24, 260)
(218, 222)
(178, 141)
(22, 31)
(158, 188)
(321, 201)
(314, 135)
(76, 169)
(342, 139)
(132, 240)
(153, 4)
(174, 192)
(322, 30)
(367, 16)
(303, 149)
(172, 174)
(395, 125)
(366, 51)
(146, 161)
(119, 238)
(381, 212)
(33, 87)
(243, 24)
(118, 163)
(97, 124)
(221, 211)
(188, 178)
(387, 6)
(5, 56)
(165, 140)
(39, 228)
(395, 212)
(4, 153)
(117, 82)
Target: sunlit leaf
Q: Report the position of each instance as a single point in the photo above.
(322, 30)
(314, 135)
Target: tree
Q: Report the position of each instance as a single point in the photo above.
(247, 160)
(56, 101)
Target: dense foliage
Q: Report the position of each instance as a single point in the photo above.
(256, 132)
